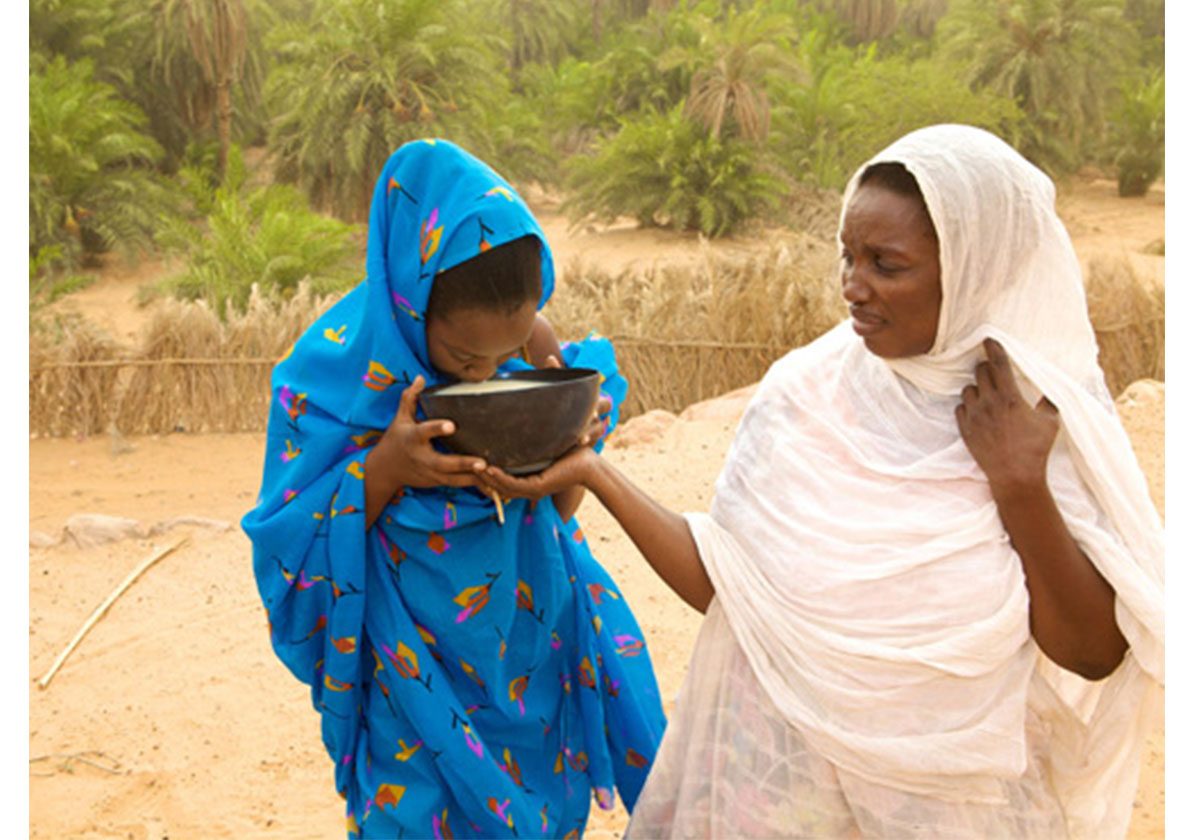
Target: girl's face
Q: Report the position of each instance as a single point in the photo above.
(891, 274)
(468, 345)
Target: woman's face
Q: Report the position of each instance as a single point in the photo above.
(891, 276)
(468, 345)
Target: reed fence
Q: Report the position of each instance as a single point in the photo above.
(682, 334)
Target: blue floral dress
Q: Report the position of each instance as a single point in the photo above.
(473, 678)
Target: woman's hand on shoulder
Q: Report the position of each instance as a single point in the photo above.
(1009, 439)
(406, 452)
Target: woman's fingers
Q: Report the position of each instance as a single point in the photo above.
(985, 378)
(1002, 370)
(454, 480)
(453, 471)
(1047, 408)
(511, 486)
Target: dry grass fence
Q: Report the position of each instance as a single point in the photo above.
(190, 372)
(683, 333)
(688, 332)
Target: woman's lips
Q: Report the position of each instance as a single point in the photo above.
(866, 323)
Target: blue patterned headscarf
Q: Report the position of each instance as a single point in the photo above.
(472, 678)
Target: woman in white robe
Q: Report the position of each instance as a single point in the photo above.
(932, 572)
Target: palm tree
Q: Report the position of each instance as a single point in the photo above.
(747, 48)
(200, 50)
(920, 17)
(1058, 59)
(91, 178)
(869, 20)
(1138, 133)
(539, 30)
(97, 30)
(365, 77)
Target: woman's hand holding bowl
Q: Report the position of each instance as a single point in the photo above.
(571, 470)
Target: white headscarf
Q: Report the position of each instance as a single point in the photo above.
(858, 554)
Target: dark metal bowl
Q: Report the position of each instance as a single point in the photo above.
(519, 431)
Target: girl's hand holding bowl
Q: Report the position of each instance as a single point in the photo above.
(406, 454)
(598, 426)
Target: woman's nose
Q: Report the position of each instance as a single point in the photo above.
(854, 289)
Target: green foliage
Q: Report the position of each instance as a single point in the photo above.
(171, 58)
(646, 67)
(516, 145)
(78, 29)
(50, 277)
(656, 98)
(867, 20)
(742, 51)
(537, 30)
(91, 185)
(265, 236)
(199, 53)
(666, 169)
(857, 103)
(1057, 59)
(365, 77)
(1148, 18)
(1138, 134)
(919, 18)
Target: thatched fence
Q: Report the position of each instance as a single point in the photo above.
(192, 370)
(682, 334)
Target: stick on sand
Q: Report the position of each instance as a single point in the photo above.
(103, 608)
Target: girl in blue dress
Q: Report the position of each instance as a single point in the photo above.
(473, 677)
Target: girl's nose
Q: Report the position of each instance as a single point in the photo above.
(480, 374)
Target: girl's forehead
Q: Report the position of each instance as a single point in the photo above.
(485, 332)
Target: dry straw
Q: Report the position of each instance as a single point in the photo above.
(1128, 313)
(683, 333)
(70, 384)
(190, 372)
(687, 332)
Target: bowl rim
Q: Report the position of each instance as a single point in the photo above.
(564, 376)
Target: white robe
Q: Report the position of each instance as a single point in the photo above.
(867, 667)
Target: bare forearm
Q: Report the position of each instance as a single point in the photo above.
(1071, 604)
(568, 501)
(662, 536)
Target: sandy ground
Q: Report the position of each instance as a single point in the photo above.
(173, 718)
